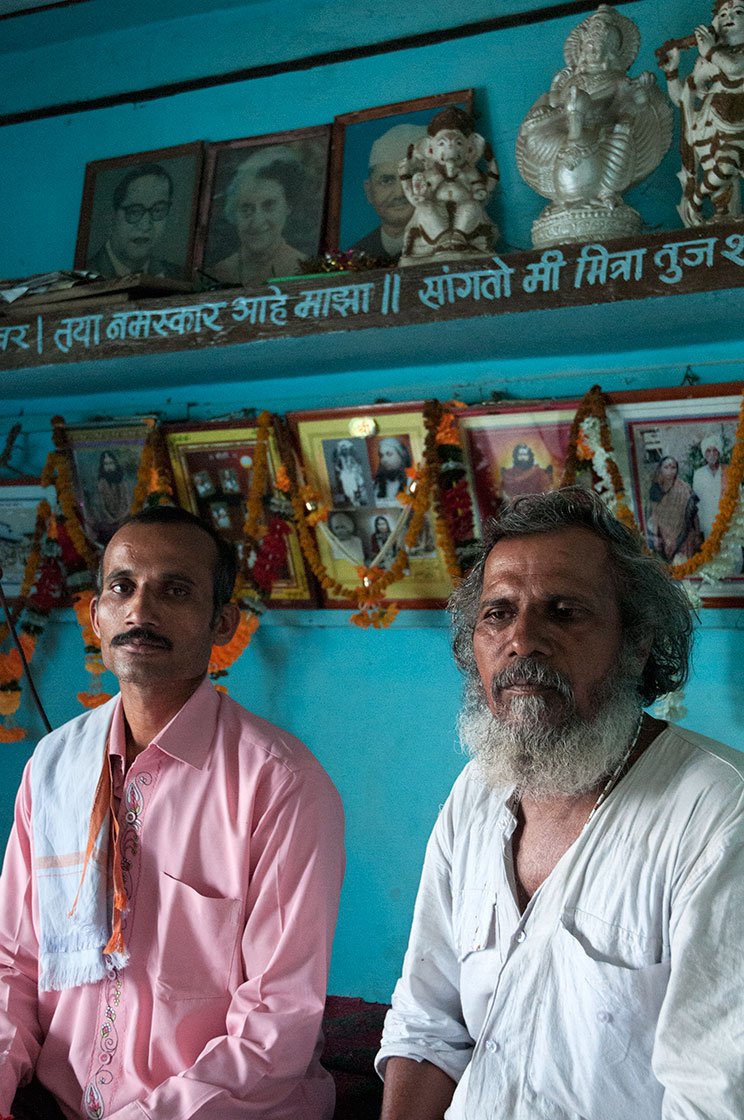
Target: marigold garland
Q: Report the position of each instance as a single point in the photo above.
(452, 502)
(153, 486)
(579, 453)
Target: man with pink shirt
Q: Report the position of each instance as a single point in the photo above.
(170, 887)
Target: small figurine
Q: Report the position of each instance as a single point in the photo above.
(448, 191)
(595, 134)
(711, 103)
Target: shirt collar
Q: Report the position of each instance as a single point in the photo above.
(187, 737)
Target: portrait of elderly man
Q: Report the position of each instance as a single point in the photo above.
(140, 205)
(394, 459)
(576, 942)
(384, 193)
(170, 886)
(709, 480)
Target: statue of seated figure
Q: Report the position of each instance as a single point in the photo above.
(596, 133)
(441, 179)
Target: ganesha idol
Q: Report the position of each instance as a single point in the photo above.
(595, 134)
(448, 177)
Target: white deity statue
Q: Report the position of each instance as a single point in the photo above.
(711, 102)
(595, 134)
(448, 190)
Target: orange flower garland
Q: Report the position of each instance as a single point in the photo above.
(153, 486)
(579, 453)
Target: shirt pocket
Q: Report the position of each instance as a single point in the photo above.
(476, 935)
(197, 939)
(595, 1025)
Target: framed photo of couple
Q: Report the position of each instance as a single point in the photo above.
(212, 468)
(358, 459)
(674, 448)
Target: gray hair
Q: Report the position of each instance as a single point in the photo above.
(653, 606)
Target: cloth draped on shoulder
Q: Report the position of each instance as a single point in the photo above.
(77, 867)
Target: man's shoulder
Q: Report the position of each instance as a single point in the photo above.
(88, 726)
(272, 744)
(371, 243)
(700, 753)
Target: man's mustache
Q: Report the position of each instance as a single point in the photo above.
(531, 672)
(142, 634)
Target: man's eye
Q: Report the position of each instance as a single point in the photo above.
(178, 592)
(120, 587)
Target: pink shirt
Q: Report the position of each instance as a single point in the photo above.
(232, 849)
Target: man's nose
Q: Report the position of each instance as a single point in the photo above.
(529, 635)
(142, 606)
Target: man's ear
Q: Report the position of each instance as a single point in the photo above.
(367, 188)
(94, 616)
(227, 624)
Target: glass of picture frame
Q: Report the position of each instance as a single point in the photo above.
(105, 465)
(212, 465)
(19, 503)
(512, 449)
(357, 459)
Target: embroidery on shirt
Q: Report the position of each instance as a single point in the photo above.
(108, 1041)
(94, 1104)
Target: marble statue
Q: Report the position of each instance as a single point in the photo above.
(444, 181)
(711, 103)
(595, 134)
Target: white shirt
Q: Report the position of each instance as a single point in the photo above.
(618, 994)
(707, 485)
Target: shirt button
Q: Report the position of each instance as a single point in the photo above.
(492, 1046)
(520, 937)
(604, 1017)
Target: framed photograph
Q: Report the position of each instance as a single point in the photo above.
(212, 466)
(139, 213)
(105, 463)
(367, 208)
(673, 448)
(19, 502)
(263, 207)
(514, 449)
(357, 459)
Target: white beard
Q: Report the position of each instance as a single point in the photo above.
(545, 754)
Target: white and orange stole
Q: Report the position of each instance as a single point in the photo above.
(76, 866)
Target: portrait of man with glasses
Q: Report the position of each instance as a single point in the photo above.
(141, 203)
(138, 214)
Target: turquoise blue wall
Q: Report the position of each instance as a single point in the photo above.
(377, 708)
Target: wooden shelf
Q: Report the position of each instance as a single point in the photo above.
(651, 291)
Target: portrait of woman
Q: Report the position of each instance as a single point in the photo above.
(381, 533)
(266, 209)
(672, 525)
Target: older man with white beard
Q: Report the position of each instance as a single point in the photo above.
(576, 943)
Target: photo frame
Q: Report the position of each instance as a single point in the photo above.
(139, 214)
(365, 209)
(263, 207)
(357, 459)
(660, 438)
(105, 464)
(19, 503)
(514, 449)
(212, 466)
